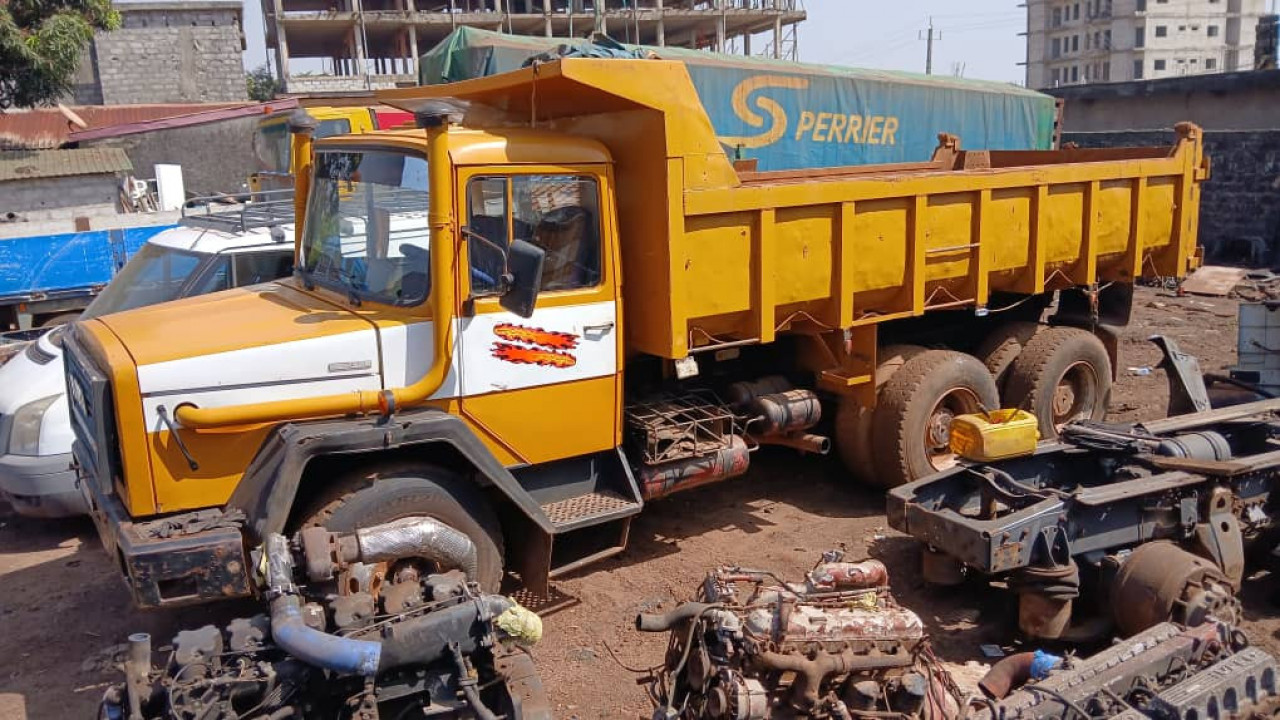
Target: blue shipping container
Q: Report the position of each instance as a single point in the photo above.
(795, 116)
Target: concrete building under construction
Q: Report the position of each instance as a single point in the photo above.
(337, 45)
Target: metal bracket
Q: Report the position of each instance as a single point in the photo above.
(1220, 539)
(1187, 391)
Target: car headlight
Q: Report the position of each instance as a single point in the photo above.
(24, 436)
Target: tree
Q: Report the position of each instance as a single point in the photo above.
(41, 44)
(262, 84)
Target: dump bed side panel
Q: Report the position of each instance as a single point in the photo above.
(763, 258)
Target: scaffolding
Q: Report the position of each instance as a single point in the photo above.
(366, 44)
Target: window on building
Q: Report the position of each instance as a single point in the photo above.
(1159, 65)
(1056, 77)
(1056, 48)
(1097, 40)
(1139, 37)
(1162, 31)
(1075, 43)
(1162, 2)
(1137, 69)
(1075, 12)
(1106, 72)
(1057, 17)
(1086, 41)
(1075, 73)
(1106, 39)
(1211, 63)
(1140, 5)
(1213, 31)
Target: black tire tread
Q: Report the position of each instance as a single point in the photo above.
(893, 405)
(1002, 346)
(1026, 384)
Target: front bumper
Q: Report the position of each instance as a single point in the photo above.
(42, 486)
(182, 559)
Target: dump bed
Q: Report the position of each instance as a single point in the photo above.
(713, 258)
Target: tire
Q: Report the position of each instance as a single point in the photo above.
(1063, 374)
(911, 422)
(853, 421)
(1002, 346)
(371, 498)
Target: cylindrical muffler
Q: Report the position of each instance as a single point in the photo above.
(660, 480)
(784, 412)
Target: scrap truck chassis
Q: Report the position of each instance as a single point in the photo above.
(1154, 517)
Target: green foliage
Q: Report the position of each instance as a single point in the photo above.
(41, 43)
(262, 84)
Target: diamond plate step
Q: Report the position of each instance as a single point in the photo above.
(582, 509)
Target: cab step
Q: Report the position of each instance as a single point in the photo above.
(590, 501)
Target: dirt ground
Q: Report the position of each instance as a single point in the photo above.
(62, 609)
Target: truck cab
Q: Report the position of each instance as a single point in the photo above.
(271, 144)
(458, 342)
(36, 476)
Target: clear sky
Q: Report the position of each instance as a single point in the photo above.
(982, 41)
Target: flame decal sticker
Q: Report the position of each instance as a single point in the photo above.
(536, 336)
(522, 355)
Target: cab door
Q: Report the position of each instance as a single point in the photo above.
(545, 387)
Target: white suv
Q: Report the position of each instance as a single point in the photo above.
(35, 430)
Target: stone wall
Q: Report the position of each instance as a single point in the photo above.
(215, 158)
(169, 53)
(1240, 205)
(60, 198)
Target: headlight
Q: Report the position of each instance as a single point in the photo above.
(24, 437)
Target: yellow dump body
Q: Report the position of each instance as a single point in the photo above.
(713, 257)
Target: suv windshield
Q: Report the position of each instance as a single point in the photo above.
(366, 231)
(155, 274)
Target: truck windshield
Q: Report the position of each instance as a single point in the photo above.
(272, 144)
(366, 231)
(155, 274)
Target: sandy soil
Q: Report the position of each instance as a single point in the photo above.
(63, 610)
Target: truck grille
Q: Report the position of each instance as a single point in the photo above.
(92, 415)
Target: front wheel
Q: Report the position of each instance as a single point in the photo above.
(372, 498)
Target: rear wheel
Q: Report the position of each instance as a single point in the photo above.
(372, 498)
(911, 426)
(1002, 346)
(853, 420)
(1063, 374)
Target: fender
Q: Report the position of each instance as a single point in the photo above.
(266, 492)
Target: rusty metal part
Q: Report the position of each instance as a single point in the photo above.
(811, 671)
(657, 481)
(327, 553)
(1220, 538)
(1011, 672)
(784, 412)
(833, 575)
(138, 672)
(654, 622)
(1045, 598)
(1160, 581)
(802, 441)
(679, 427)
(743, 392)
(528, 695)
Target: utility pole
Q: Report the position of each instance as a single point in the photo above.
(928, 53)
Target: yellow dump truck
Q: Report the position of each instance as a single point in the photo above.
(556, 299)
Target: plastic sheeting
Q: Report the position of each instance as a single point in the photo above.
(791, 115)
(67, 261)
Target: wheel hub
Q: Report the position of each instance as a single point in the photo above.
(939, 430)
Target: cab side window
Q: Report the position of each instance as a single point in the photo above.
(253, 268)
(489, 236)
(561, 215)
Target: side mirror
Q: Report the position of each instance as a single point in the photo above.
(524, 263)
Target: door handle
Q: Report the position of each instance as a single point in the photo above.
(601, 328)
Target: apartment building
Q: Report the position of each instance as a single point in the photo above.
(1071, 42)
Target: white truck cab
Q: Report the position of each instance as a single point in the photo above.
(36, 477)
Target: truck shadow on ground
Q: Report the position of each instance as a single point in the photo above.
(746, 504)
(64, 615)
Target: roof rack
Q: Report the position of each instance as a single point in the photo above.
(265, 208)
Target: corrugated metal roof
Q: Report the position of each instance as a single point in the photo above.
(30, 164)
(46, 128)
